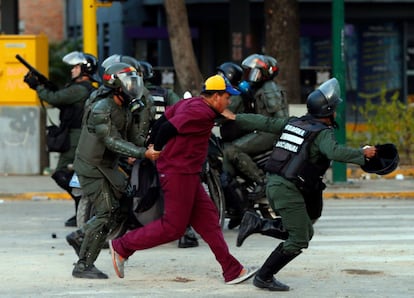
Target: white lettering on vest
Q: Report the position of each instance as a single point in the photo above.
(291, 138)
(287, 146)
(296, 130)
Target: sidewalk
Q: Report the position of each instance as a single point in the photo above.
(399, 184)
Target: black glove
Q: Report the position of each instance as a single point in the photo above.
(31, 80)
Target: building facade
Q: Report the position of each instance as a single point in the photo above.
(379, 38)
(43, 17)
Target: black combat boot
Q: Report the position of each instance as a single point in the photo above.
(62, 178)
(71, 222)
(253, 223)
(81, 270)
(236, 202)
(75, 240)
(278, 259)
(189, 239)
(89, 251)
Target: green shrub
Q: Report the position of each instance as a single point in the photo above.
(388, 121)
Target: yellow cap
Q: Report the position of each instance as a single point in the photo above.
(219, 83)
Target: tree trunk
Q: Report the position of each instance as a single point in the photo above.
(184, 59)
(282, 42)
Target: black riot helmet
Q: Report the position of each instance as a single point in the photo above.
(146, 69)
(116, 58)
(87, 62)
(259, 68)
(231, 71)
(273, 66)
(385, 160)
(123, 78)
(322, 102)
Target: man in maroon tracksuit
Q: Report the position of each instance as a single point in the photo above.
(181, 142)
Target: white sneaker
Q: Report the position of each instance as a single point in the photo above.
(117, 261)
(245, 274)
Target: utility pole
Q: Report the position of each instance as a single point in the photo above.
(338, 70)
(90, 31)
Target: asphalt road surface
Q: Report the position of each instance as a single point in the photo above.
(361, 248)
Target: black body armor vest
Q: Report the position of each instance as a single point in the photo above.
(160, 97)
(71, 115)
(290, 156)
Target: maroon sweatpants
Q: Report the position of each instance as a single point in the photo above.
(185, 202)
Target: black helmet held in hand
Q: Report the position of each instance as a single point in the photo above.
(385, 161)
(322, 102)
(232, 72)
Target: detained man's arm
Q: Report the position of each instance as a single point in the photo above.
(165, 132)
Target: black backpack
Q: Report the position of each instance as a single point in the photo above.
(146, 201)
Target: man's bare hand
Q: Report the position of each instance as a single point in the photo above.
(131, 160)
(151, 153)
(369, 151)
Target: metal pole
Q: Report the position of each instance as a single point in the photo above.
(90, 44)
(338, 71)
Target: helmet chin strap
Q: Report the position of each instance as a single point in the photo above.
(333, 122)
(120, 97)
(125, 98)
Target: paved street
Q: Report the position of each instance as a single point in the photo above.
(362, 248)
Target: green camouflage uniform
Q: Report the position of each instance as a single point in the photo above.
(70, 100)
(108, 132)
(284, 197)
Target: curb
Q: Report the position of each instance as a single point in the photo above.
(352, 173)
(36, 196)
(366, 195)
(44, 196)
(357, 172)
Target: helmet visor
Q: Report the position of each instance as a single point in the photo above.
(111, 60)
(254, 75)
(132, 84)
(251, 61)
(332, 92)
(74, 58)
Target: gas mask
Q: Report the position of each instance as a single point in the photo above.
(136, 105)
(132, 87)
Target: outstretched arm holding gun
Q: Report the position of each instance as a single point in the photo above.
(34, 78)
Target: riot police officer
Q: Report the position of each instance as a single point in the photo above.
(162, 97)
(108, 132)
(147, 113)
(265, 97)
(300, 158)
(70, 102)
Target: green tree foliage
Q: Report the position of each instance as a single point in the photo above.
(388, 121)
